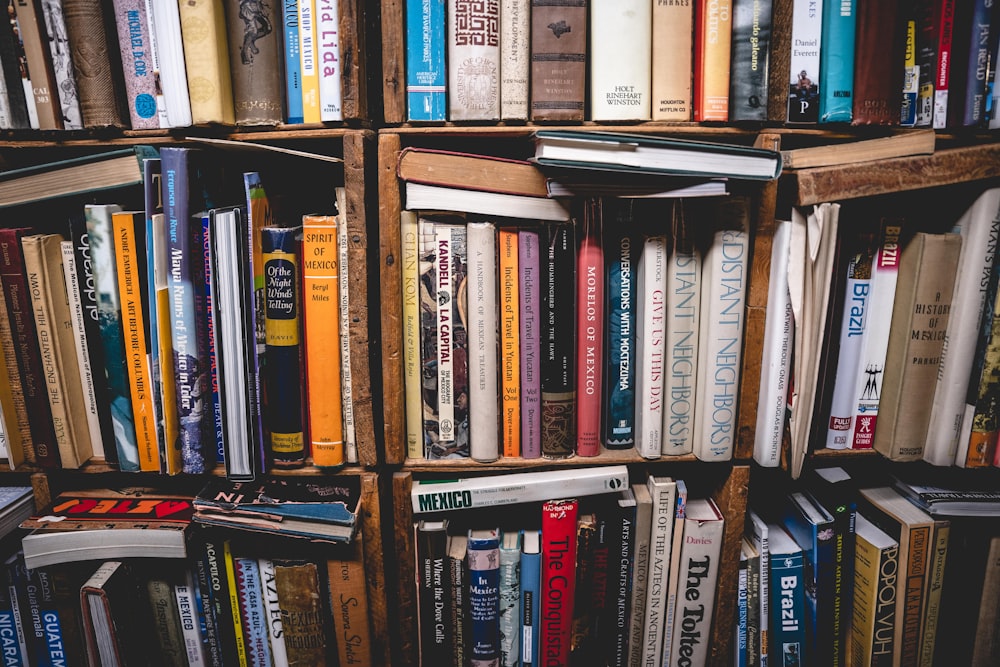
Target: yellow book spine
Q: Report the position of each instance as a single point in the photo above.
(410, 252)
(321, 312)
(129, 291)
(206, 62)
(234, 603)
(307, 60)
(510, 343)
(173, 462)
(866, 575)
(8, 413)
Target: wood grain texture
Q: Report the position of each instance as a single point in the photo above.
(391, 311)
(405, 642)
(353, 57)
(780, 61)
(41, 490)
(732, 502)
(375, 568)
(393, 62)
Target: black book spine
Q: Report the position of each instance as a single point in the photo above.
(11, 57)
(559, 341)
(433, 577)
(751, 46)
(214, 586)
(619, 601)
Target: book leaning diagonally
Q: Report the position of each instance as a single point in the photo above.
(495, 490)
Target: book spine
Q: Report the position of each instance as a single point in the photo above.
(620, 369)
(837, 62)
(152, 189)
(753, 610)
(97, 62)
(432, 546)
(673, 32)
(293, 67)
(722, 314)
(231, 598)
(483, 561)
(473, 60)
(137, 56)
(911, 76)
(510, 604)
(412, 383)
(942, 69)
(11, 57)
(19, 620)
(349, 605)
(558, 576)
(972, 110)
(166, 627)
(977, 437)
(620, 564)
(788, 614)
(346, 317)
(206, 61)
(307, 61)
(252, 617)
(510, 342)
(164, 371)
(757, 534)
(804, 66)
(684, 286)
(329, 61)
(42, 86)
(458, 600)
(712, 50)
(558, 52)
(321, 321)
(528, 263)
(663, 493)
(272, 611)
(880, 42)
(62, 64)
(620, 59)
(154, 66)
(590, 332)
(210, 574)
(187, 613)
(530, 607)
(298, 584)
(651, 288)
(165, 16)
(453, 346)
(601, 537)
(933, 593)
(426, 78)
(559, 342)
(928, 17)
(427, 263)
(256, 61)
(131, 260)
(741, 657)
(641, 563)
(515, 54)
(751, 46)
(699, 571)
(15, 415)
(911, 606)
(282, 323)
(483, 386)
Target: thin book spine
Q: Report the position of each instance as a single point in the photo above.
(292, 62)
(515, 58)
(751, 47)
(559, 342)
(412, 383)
(651, 286)
(663, 493)
(187, 611)
(206, 308)
(62, 64)
(590, 331)
(483, 343)
(528, 263)
(510, 342)
(307, 61)
(329, 61)
(346, 370)
(531, 561)
(170, 54)
(251, 600)
(272, 610)
(510, 599)
(152, 190)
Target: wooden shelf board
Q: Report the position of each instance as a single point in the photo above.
(607, 457)
(114, 137)
(443, 129)
(843, 453)
(100, 466)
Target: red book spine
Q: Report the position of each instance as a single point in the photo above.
(558, 580)
(942, 73)
(590, 332)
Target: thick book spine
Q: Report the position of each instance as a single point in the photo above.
(972, 45)
(751, 47)
(272, 610)
(11, 56)
(977, 436)
(650, 340)
(426, 78)
(62, 64)
(483, 561)
(620, 59)
(880, 40)
(698, 573)
(292, 66)
(874, 593)
(321, 322)
(558, 575)
(510, 599)
(432, 551)
(684, 286)
(206, 61)
(250, 594)
(663, 493)
(452, 358)
(531, 562)
(673, 32)
(804, 72)
(412, 382)
(281, 248)
(712, 49)
(510, 342)
(559, 342)
(329, 61)
(590, 331)
(473, 60)
(298, 584)
(528, 263)
(788, 618)
(484, 389)
(623, 244)
(31, 28)
(621, 561)
(427, 263)
(837, 62)
(558, 52)
(166, 629)
(515, 58)
(170, 55)
(816, 537)
(256, 60)
(208, 306)
(97, 63)
(346, 583)
(137, 55)
(307, 61)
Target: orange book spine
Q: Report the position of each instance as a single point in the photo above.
(321, 312)
(127, 256)
(713, 31)
(510, 343)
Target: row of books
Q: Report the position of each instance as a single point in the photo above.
(159, 326)
(75, 64)
(858, 61)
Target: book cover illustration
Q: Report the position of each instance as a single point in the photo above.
(483, 561)
(803, 86)
(278, 499)
(113, 508)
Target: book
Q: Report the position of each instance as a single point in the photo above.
(206, 293)
(188, 614)
(346, 318)
(970, 58)
(754, 592)
(62, 64)
(876, 564)
(157, 301)
(458, 590)
(209, 563)
(712, 49)
(620, 60)
(650, 341)
(633, 153)
(437, 198)
(531, 562)
(740, 654)
(984, 650)
(297, 583)
(935, 29)
(590, 330)
(558, 53)
(916, 142)
(11, 55)
(559, 341)
(510, 341)
(673, 580)
(558, 577)
(139, 60)
(757, 532)
(623, 244)
(231, 600)
(933, 590)
(97, 63)
(473, 60)
(483, 562)
(698, 570)
(206, 61)
(34, 38)
(470, 171)
(641, 565)
(804, 64)
(787, 634)
(53, 325)
(410, 289)
(620, 524)
(102, 523)
(751, 47)
(836, 65)
(590, 596)
(308, 68)
(349, 606)
(949, 501)
(17, 430)
(170, 56)
(426, 78)
(451, 258)
(431, 552)
(251, 604)
(167, 633)
(510, 599)
(255, 59)
(329, 61)
(13, 613)
(484, 389)
(321, 319)
(56, 606)
(920, 319)
(663, 495)
(291, 63)
(911, 72)
(672, 65)
(515, 58)
(292, 507)
(529, 294)
(281, 248)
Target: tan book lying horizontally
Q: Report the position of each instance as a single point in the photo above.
(916, 142)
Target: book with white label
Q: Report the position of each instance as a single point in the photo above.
(620, 59)
(650, 337)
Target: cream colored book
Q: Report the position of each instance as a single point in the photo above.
(673, 31)
(412, 386)
(620, 68)
(473, 60)
(515, 58)
(206, 60)
(165, 18)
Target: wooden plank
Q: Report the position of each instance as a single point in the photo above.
(689, 130)
(393, 62)
(375, 568)
(732, 502)
(391, 305)
(607, 457)
(405, 643)
(869, 179)
(353, 57)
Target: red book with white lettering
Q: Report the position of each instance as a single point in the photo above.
(590, 331)
(558, 580)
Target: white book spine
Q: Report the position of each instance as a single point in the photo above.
(346, 374)
(776, 363)
(82, 351)
(473, 60)
(620, 47)
(684, 269)
(410, 272)
(445, 358)
(510, 605)
(515, 488)
(651, 288)
(5, 120)
(673, 574)
(330, 69)
(190, 627)
(62, 64)
(515, 54)
(154, 62)
(482, 308)
(979, 227)
(664, 494)
(272, 611)
(3, 436)
(173, 77)
(722, 314)
(803, 71)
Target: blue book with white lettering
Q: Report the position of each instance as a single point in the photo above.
(623, 241)
(483, 561)
(788, 600)
(293, 67)
(425, 68)
(836, 67)
(531, 583)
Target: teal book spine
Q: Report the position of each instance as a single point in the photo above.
(293, 68)
(837, 62)
(425, 68)
(619, 426)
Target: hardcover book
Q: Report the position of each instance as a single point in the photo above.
(787, 588)
(757, 533)
(558, 573)
(426, 82)
(11, 62)
(138, 57)
(712, 49)
(62, 64)
(32, 32)
(484, 392)
(621, 525)
(650, 341)
(97, 63)
(559, 341)
(470, 171)
(203, 31)
(641, 565)
(510, 342)
(166, 21)
(588, 600)
(673, 578)
(255, 59)
(529, 264)
(935, 30)
(751, 48)
(347, 590)
(473, 60)
(590, 330)
(308, 69)
(620, 59)
(113, 635)
(510, 599)
(329, 61)
(804, 64)
(483, 561)
(837, 62)
(673, 33)
(531, 563)
(291, 61)
(515, 58)
(431, 542)
(250, 592)
(297, 583)
(876, 561)
(624, 243)
(663, 495)
(410, 289)
(558, 59)
(451, 258)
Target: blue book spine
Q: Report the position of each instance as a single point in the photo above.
(11, 629)
(483, 560)
(974, 104)
(740, 647)
(293, 67)
(837, 61)
(817, 542)
(216, 431)
(619, 427)
(788, 622)
(531, 578)
(425, 69)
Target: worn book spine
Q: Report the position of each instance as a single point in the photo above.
(346, 583)
(453, 347)
(970, 63)
(11, 619)
(170, 55)
(742, 604)
(250, 593)
(837, 62)
(458, 600)
(590, 331)
(620, 59)
(558, 341)
(321, 322)
(31, 28)
(510, 599)
(54, 327)
(484, 389)
(166, 628)
(558, 577)
(650, 343)
(307, 61)
(15, 415)
(97, 63)
(427, 263)
(803, 70)
(528, 262)
(753, 604)
(272, 611)
(11, 57)
(329, 60)
(558, 59)
(62, 64)
(473, 60)
(510, 342)
(928, 15)
(640, 572)
(515, 58)
(712, 49)
(623, 245)
(587, 601)
(155, 54)
(412, 383)
(614, 626)
(298, 584)
(673, 32)
(346, 318)
(136, 50)
(933, 592)
(210, 576)
(751, 47)
(256, 61)
(684, 286)
(483, 562)
(206, 61)
(426, 43)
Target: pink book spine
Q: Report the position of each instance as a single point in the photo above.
(590, 332)
(558, 580)
(531, 371)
